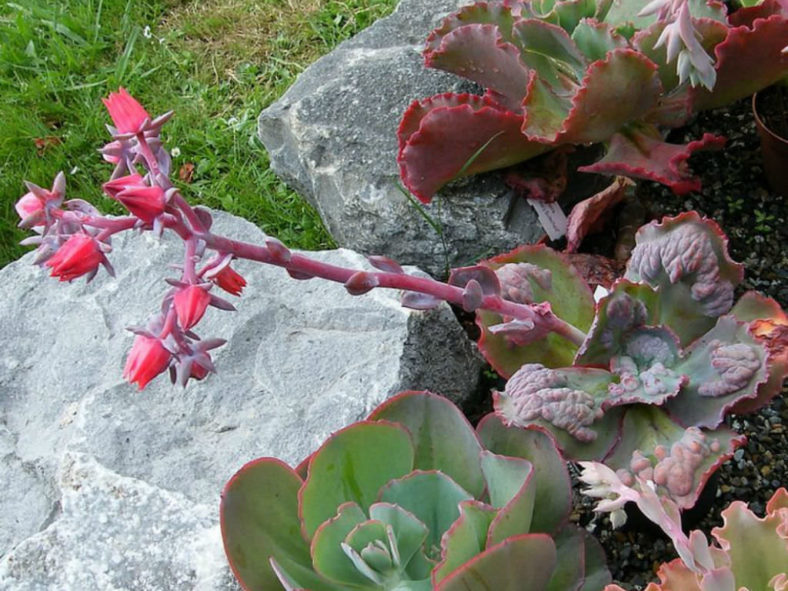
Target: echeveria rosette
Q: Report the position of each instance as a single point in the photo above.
(409, 500)
(534, 274)
(750, 553)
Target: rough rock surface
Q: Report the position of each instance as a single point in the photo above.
(332, 137)
(105, 487)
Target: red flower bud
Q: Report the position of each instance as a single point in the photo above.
(147, 359)
(190, 305)
(127, 114)
(143, 201)
(78, 256)
(230, 281)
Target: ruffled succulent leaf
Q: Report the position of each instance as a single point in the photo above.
(594, 39)
(512, 490)
(259, 520)
(547, 277)
(686, 259)
(549, 52)
(679, 461)
(628, 307)
(568, 403)
(756, 547)
(521, 563)
(725, 366)
(749, 59)
(432, 497)
(353, 465)
(328, 558)
(483, 13)
(479, 52)
(570, 13)
(442, 437)
(580, 562)
(768, 323)
(645, 368)
(466, 538)
(639, 152)
(586, 215)
(450, 135)
(552, 487)
(623, 78)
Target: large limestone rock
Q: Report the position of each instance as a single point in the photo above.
(332, 137)
(105, 487)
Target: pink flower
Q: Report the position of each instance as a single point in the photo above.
(28, 205)
(142, 201)
(147, 359)
(230, 281)
(78, 256)
(190, 305)
(127, 114)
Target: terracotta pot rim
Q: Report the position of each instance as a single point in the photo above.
(763, 125)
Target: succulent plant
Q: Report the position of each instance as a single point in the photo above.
(751, 553)
(666, 357)
(411, 499)
(577, 72)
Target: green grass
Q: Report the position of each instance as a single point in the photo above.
(217, 63)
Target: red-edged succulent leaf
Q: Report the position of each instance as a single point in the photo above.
(466, 538)
(586, 215)
(749, 59)
(352, 465)
(566, 402)
(686, 259)
(553, 494)
(581, 562)
(442, 437)
(756, 547)
(521, 563)
(641, 153)
(259, 520)
(485, 13)
(547, 277)
(679, 461)
(627, 307)
(450, 135)
(624, 78)
(478, 52)
(769, 325)
(725, 366)
(512, 490)
(594, 39)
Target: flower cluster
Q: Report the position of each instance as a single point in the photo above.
(73, 239)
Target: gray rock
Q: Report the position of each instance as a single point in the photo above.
(303, 359)
(332, 137)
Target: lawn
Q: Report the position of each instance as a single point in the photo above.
(217, 63)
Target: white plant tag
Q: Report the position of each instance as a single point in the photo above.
(551, 217)
(599, 293)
